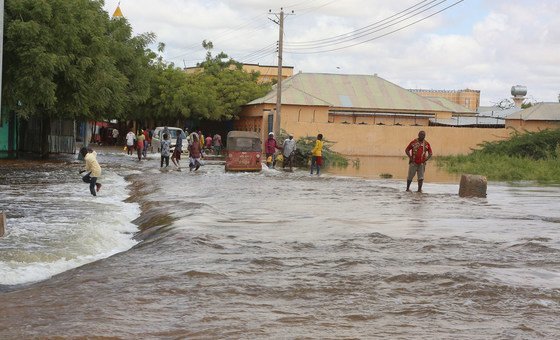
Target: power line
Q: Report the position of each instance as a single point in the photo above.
(254, 19)
(189, 49)
(376, 37)
(353, 34)
(265, 51)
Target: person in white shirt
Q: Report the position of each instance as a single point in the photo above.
(288, 151)
(115, 136)
(130, 137)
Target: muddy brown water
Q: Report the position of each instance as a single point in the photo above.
(168, 254)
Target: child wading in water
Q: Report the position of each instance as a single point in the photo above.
(165, 147)
(317, 154)
(176, 156)
(93, 168)
(195, 153)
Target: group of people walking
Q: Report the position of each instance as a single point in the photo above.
(418, 152)
(194, 147)
(139, 141)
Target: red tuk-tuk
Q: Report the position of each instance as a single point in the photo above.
(244, 149)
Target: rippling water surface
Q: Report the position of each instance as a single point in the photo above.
(274, 255)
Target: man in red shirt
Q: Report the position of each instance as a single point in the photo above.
(270, 147)
(418, 152)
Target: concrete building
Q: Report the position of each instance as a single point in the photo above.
(267, 73)
(540, 116)
(363, 115)
(467, 98)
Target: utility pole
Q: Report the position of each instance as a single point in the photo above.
(278, 116)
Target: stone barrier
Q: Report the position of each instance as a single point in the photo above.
(473, 186)
(2, 223)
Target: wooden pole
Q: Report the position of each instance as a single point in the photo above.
(277, 122)
(2, 223)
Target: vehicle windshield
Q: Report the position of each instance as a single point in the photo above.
(244, 144)
(173, 133)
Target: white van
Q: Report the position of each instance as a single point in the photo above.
(173, 133)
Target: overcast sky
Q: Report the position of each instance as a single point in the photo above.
(486, 45)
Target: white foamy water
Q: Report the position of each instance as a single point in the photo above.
(62, 226)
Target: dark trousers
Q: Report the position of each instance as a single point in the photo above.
(166, 159)
(92, 181)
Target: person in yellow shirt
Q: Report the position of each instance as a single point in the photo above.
(317, 154)
(93, 169)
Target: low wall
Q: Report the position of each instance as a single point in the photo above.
(383, 140)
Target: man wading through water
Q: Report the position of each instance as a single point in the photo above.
(418, 152)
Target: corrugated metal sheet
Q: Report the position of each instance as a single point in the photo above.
(496, 111)
(451, 106)
(470, 121)
(361, 91)
(292, 96)
(540, 111)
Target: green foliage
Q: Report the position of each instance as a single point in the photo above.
(304, 145)
(68, 59)
(530, 156)
(223, 87)
(216, 93)
(533, 145)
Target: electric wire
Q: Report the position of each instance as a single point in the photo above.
(226, 33)
(265, 50)
(242, 26)
(376, 37)
(372, 28)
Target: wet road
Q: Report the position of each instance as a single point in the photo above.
(287, 255)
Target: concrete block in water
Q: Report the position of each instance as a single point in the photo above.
(473, 186)
(2, 223)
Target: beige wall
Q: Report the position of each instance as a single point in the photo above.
(380, 120)
(468, 98)
(255, 117)
(531, 125)
(267, 73)
(366, 140)
(385, 140)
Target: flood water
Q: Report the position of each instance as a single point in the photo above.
(272, 255)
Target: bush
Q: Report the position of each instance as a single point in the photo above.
(535, 145)
(530, 156)
(304, 146)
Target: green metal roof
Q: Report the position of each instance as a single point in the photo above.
(360, 92)
(540, 111)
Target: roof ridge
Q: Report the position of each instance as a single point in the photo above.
(309, 94)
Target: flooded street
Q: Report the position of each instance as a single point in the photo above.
(273, 254)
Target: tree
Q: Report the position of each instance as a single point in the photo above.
(217, 93)
(69, 59)
(231, 86)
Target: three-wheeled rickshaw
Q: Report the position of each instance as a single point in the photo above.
(244, 150)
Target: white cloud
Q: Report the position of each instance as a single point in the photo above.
(488, 45)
